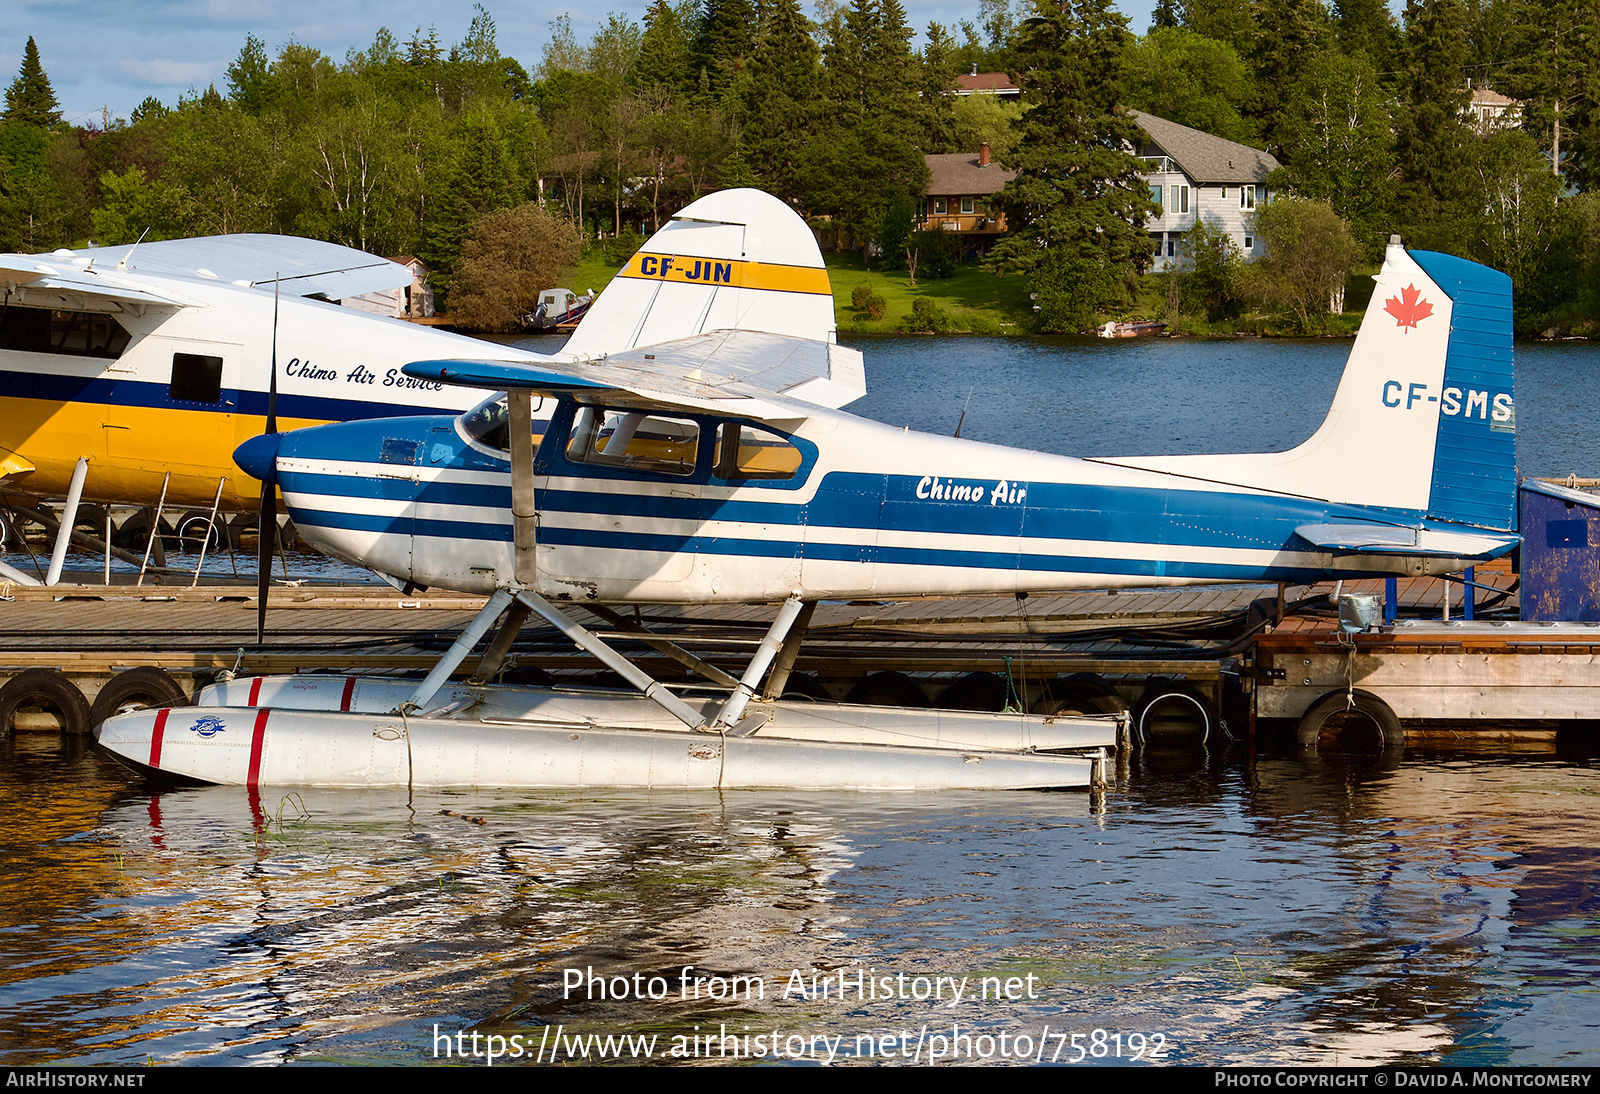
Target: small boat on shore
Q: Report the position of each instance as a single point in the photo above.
(1140, 329)
(559, 308)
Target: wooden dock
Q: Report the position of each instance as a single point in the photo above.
(1235, 654)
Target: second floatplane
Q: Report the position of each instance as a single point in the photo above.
(715, 468)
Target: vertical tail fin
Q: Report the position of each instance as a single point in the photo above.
(1424, 420)
(734, 260)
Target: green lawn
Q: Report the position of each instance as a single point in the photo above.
(972, 299)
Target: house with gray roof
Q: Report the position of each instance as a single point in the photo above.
(1195, 177)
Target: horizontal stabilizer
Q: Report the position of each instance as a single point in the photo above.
(1388, 539)
(729, 372)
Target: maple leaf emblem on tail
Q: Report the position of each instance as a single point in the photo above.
(1407, 308)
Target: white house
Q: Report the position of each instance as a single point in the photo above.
(1197, 177)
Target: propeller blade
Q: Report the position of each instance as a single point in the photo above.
(267, 539)
(272, 375)
(267, 471)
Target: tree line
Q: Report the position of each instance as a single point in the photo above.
(412, 146)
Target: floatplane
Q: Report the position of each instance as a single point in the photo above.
(700, 469)
(130, 374)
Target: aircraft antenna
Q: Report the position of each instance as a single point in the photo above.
(123, 265)
(964, 406)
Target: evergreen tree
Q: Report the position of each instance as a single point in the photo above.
(1287, 33)
(1076, 210)
(1556, 73)
(723, 43)
(1365, 28)
(937, 82)
(1167, 15)
(478, 47)
(249, 77)
(782, 102)
(1431, 132)
(663, 52)
(867, 155)
(1230, 21)
(29, 99)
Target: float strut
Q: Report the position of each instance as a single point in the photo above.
(69, 517)
(458, 652)
(495, 655)
(593, 644)
(662, 645)
(733, 709)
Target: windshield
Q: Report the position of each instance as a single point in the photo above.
(488, 423)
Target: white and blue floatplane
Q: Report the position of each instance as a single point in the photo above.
(715, 467)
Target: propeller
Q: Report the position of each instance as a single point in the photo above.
(258, 457)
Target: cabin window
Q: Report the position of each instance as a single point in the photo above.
(634, 440)
(196, 378)
(1155, 196)
(744, 452)
(938, 206)
(969, 205)
(1180, 199)
(1247, 197)
(75, 333)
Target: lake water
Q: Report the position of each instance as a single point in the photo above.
(1221, 908)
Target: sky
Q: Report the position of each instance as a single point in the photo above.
(110, 54)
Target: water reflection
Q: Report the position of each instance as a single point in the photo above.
(1294, 910)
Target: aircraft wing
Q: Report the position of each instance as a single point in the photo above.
(52, 274)
(746, 373)
(303, 267)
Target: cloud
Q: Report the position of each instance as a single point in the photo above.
(163, 72)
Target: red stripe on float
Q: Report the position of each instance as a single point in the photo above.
(349, 690)
(255, 691)
(156, 732)
(257, 739)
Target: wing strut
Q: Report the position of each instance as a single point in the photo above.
(524, 508)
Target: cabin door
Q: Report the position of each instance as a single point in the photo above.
(619, 501)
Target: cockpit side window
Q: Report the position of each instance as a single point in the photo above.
(634, 440)
(74, 333)
(745, 452)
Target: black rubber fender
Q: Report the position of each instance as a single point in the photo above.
(44, 689)
(983, 691)
(193, 529)
(1167, 695)
(136, 689)
(1081, 693)
(1357, 720)
(887, 689)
